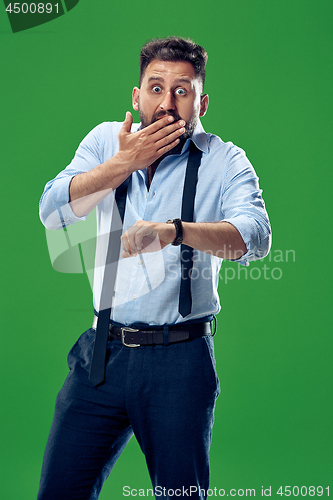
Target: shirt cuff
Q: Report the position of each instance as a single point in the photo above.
(256, 238)
(62, 214)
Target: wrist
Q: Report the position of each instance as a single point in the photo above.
(170, 234)
(122, 162)
(178, 231)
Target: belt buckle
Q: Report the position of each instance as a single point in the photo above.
(126, 329)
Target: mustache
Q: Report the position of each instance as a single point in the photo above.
(159, 114)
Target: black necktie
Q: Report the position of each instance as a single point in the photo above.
(186, 252)
(97, 367)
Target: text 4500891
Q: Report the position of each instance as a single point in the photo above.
(303, 491)
(32, 8)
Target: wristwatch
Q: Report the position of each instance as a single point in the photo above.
(179, 231)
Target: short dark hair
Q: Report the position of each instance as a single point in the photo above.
(174, 49)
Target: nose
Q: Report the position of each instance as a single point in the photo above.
(168, 102)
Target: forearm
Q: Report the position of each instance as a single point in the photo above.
(88, 189)
(218, 238)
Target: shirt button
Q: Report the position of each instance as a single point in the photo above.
(140, 262)
(154, 193)
(134, 297)
(146, 196)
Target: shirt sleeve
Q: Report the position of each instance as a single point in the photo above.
(54, 207)
(244, 208)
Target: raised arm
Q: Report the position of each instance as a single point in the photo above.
(136, 151)
(87, 181)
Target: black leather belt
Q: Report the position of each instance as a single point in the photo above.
(135, 337)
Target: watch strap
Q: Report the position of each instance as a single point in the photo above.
(179, 231)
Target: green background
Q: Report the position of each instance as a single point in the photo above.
(269, 77)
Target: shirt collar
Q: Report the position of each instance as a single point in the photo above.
(199, 137)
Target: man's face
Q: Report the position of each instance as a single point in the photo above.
(170, 88)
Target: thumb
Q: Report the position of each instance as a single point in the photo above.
(128, 122)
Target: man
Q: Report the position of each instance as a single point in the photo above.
(160, 381)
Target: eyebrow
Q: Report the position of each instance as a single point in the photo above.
(160, 79)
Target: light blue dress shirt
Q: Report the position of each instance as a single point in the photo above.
(147, 286)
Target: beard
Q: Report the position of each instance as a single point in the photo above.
(189, 127)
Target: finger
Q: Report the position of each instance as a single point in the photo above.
(143, 236)
(132, 248)
(176, 128)
(164, 141)
(125, 255)
(127, 125)
(167, 148)
(125, 243)
(167, 129)
(128, 241)
(160, 123)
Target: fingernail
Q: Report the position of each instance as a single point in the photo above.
(171, 118)
(182, 123)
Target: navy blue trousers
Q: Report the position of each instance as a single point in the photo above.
(165, 395)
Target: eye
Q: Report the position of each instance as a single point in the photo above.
(180, 91)
(156, 89)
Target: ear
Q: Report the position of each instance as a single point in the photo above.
(135, 98)
(204, 100)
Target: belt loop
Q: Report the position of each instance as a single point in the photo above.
(165, 335)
